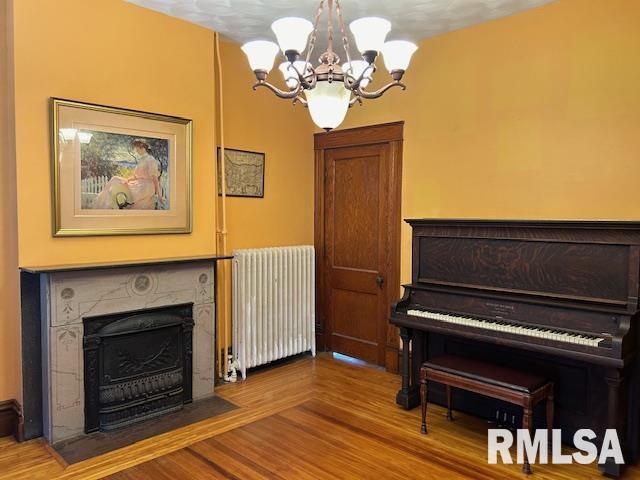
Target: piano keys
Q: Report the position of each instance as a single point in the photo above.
(557, 296)
(515, 328)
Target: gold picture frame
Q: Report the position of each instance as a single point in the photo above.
(118, 171)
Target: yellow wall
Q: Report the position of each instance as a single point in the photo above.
(535, 115)
(531, 116)
(259, 121)
(113, 53)
(9, 304)
(108, 52)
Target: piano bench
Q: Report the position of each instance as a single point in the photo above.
(495, 381)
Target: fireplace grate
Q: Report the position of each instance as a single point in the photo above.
(138, 365)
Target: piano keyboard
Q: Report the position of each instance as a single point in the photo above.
(514, 328)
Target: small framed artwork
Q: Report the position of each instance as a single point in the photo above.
(119, 171)
(244, 172)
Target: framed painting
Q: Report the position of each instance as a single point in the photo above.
(244, 173)
(119, 171)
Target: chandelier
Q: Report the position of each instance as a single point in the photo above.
(329, 88)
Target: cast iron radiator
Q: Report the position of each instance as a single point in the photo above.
(273, 304)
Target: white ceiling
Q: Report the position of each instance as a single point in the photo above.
(243, 20)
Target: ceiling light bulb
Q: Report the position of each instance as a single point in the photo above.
(261, 54)
(370, 33)
(357, 67)
(328, 103)
(292, 33)
(397, 54)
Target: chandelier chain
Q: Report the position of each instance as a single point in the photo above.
(345, 38)
(330, 28)
(314, 33)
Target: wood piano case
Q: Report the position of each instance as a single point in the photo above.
(576, 275)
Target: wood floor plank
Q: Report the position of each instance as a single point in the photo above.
(369, 456)
(392, 450)
(333, 459)
(186, 463)
(251, 450)
(305, 419)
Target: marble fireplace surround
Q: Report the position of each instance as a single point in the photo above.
(68, 295)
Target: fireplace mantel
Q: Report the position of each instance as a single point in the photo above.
(45, 291)
(122, 264)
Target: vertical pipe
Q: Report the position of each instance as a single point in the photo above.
(312, 313)
(279, 304)
(222, 317)
(245, 309)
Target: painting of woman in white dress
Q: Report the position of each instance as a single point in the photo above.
(124, 172)
(118, 171)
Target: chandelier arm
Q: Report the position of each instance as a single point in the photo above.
(354, 100)
(378, 93)
(349, 81)
(279, 93)
(300, 99)
(345, 37)
(352, 83)
(302, 79)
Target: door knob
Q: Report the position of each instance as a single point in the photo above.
(380, 280)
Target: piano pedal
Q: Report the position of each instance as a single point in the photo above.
(503, 421)
(497, 421)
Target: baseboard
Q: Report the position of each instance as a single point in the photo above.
(11, 419)
(392, 359)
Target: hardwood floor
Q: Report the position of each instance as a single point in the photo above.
(322, 418)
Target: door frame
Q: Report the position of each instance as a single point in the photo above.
(387, 133)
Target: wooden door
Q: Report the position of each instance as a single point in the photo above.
(357, 213)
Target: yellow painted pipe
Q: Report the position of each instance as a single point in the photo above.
(223, 310)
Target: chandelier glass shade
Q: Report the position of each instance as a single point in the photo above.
(370, 33)
(328, 103)
(261, 54)
(397, 54)
(292, 33)
(329, 88)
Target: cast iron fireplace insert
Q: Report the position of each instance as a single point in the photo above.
(137, 365)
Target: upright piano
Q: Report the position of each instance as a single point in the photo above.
(556, 297)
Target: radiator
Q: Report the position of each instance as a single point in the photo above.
(273, 304)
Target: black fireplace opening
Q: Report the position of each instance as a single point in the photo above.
(137, 365)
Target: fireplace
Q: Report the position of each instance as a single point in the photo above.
(138, 365)
(63, 307)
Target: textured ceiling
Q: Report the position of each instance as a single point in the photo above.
(243, 20)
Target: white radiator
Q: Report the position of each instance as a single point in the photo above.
(273, 304)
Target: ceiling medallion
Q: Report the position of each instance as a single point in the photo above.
(329, 88)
